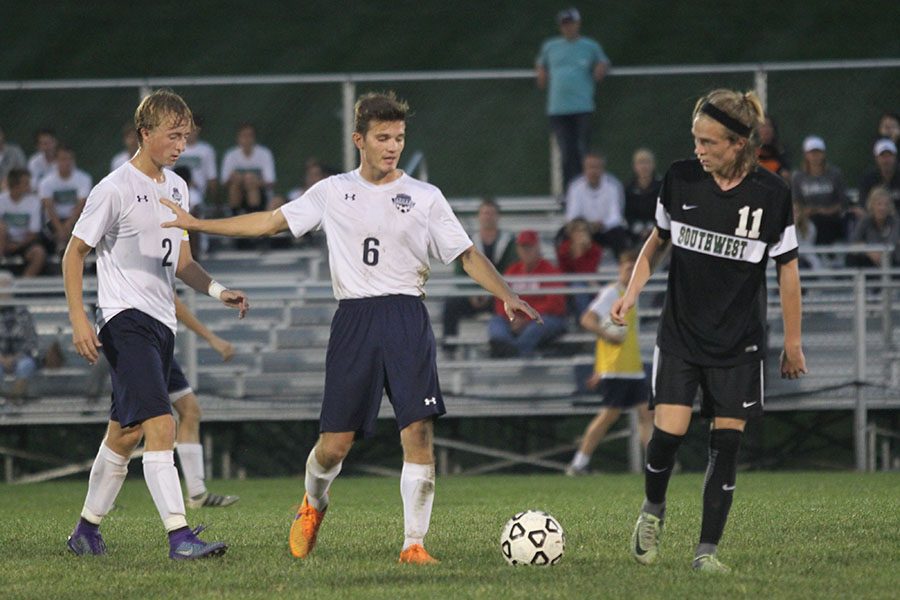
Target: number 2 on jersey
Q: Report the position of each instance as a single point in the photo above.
(742, 224)
(167, 244)
(370, 251)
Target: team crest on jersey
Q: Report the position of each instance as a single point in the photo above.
(403, 203)
(176, 195)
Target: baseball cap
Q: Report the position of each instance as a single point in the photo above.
(568, 14)
(813, 142)
(884, 145)
(528, 237)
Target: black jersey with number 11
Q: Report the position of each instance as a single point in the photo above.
(714, 314)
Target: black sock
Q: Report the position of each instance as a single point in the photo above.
(718, 489)
(660, 459)
(88, 525)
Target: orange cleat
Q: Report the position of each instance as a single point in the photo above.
(305, 528)
(417, 555)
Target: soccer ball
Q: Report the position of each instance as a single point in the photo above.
(532, 537)
(613, 329)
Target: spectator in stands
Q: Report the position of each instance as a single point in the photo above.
(879, 226)
(569, 67)
(641, 194)
(889, 127)
(130, 147)
(521, 336)
(806, 239)
(63, 193)
(44, 159)
(819, 188)
(20, 223)
(885, 173)
(770, 153)
(18, 341)
(599, 198)
(11, 157)
(578, 253)
(248, 172)
(313, 172)
(499, 247)
(618, 372)
(198, 241)
(200, 157)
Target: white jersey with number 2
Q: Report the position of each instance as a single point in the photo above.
(379, 236)
(136, 258)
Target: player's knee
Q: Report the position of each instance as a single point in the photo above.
(36, 253)
(188, 410)
(333, 449)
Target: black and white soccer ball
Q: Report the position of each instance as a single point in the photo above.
(532, 537)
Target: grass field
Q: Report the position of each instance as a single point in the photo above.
(791, 535)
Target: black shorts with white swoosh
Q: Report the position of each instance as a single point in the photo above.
(734, 392)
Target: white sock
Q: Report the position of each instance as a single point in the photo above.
(417, 491)
(318, 480)
(162, 481)
(580, 460)
(107, 476)
(191, 458)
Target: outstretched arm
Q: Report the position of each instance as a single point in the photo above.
(190, 320)
(793, 362)
(191, 273)
(643, 268)
(258, 224)
(480, 269)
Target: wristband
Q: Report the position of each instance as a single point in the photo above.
(216, 289)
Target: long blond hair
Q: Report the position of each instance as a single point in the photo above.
(745, 108)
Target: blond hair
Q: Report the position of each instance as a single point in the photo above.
(158, 106)
(874, 194)
(744, 107)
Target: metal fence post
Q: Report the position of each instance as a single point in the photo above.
(859, 337)
(556, 175)
(761, 85)
(348, 89)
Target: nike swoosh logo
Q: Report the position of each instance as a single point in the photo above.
(637, 547)
(652, 470)
(749, 404)
(688, 206)
(728, 488)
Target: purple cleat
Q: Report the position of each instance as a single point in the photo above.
(86, 540)
(185, 545)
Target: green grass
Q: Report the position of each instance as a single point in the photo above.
(791, 535)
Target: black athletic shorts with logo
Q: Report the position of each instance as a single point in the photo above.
(380, 344)
(139, 350)
(734, 392)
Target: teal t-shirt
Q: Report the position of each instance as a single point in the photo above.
(570, 67)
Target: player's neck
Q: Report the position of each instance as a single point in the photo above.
(379, 177)
(729, 181)
(146, 165)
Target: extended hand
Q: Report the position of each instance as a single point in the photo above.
(793, 363)
(85, 340)
(223, 347)
(619, 309)
(236, 299)
(518, 305)
(183, 219)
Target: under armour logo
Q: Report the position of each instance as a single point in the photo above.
(142, 198)
(431, 400)
(349, 196)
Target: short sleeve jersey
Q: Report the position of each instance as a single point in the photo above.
(617, 361)
(379, 236)
(714, 313)
(136, 258)
(201, 160)
(65, 193)
(570, 66)
(260, 162)
(21, 218)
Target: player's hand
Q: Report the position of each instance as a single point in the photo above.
(236, 299)
(793, 363)
(593, 381)
(516, 304)
(619, 309)
(223, 347)
(85, 340)
(183, 219)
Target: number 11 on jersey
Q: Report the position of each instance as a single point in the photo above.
(742, 224)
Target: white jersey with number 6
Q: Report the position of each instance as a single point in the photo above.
(379, 236)
(136, 258)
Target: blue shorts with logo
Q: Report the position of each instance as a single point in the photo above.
(139, 350)
(380, 344)
(178, 383)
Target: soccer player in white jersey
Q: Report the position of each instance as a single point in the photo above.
(137, 262)
(380, 225)
(725, 216)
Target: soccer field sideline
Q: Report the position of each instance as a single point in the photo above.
(792, 535)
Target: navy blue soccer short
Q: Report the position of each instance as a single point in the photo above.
(735, 392)
(178, 383)
(139, 350)
(380, 344)
(623, 393)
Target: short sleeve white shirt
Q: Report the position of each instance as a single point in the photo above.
(39, 167)
(136, 257)
(22, 217)
(118, 160)
(602, 204)
(379, 236)
(201, 160)
(260, 161)
(65, 193)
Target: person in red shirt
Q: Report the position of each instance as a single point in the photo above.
(579, 253)
(521, 336)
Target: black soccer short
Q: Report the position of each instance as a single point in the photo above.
(623, 393)
(733, 392)
(139, 350)
(178, 383)
(380, 344)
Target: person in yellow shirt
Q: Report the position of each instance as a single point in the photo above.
(618, 372)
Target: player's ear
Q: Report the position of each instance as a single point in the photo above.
(358, 140)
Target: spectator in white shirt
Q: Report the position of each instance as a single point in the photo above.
(20, 223)
(11, 157)
(599, 198)
(248, 172)
(130, 147)
(63, 193)
(44, 160)
(200, 158)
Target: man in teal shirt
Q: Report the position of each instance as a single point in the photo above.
(572, 64)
